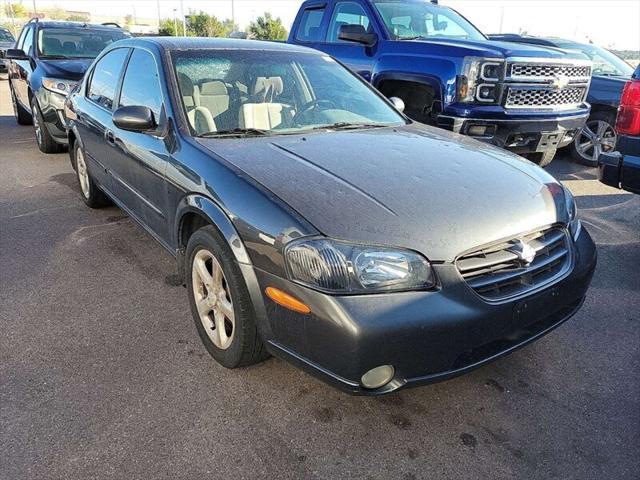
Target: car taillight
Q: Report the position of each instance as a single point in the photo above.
(628, 122)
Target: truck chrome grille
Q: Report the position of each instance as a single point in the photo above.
(527, 71)
(544, 97)
(498, 272)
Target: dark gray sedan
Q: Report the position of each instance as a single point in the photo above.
(311, 220)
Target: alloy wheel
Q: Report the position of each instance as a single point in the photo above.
(213, 299)
(596, 137)
(36, 123)
(83, 174)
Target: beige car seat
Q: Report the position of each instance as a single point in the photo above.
(266, 115)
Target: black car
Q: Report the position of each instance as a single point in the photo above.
(312, 220)
(6, 41)
(48, 60)
(610, 74)
(621, 169)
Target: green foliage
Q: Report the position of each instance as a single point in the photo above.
(167, 28)
(15, 9)
(76, 17)
(268, 28)
(202, 24)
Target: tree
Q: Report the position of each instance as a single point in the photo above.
(15, 10)
(202, 24)
(268, 28)
(167, 28)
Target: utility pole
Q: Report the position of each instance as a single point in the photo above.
(233, 16)
(184, 19)
(35, 10)
(175, 22)
(159, 19)
(501, 18)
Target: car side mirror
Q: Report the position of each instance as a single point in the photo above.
(398, 103)
(357, 34)
(134, 119)
(16, 54)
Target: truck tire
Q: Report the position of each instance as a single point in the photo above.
(22, 116)
(598, 136)
(542, 159)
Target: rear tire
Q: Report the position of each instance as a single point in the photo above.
(92, 196)
(542, 159)
(45, 141)
(22, 116)
(220, 303)
(598, 136)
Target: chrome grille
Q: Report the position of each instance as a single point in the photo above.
(544, 97)
(497, 272)
(524, 70)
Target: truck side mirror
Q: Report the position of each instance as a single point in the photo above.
(357, 34)
(16, 54)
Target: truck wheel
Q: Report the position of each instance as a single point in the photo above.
(22, 116)
(45, 141)
(598, 136)
(542, 159)
(220, 302)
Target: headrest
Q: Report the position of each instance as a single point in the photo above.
(53, 45)
(185, 84)
(215, 87)
(272, 86)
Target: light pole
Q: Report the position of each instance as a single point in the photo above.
(233, 16)
(159, 19)
(184, 19)
(35, 10)
(175, 22)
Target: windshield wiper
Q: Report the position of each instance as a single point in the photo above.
(238, 132)
(348, 126)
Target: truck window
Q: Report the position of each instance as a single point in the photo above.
(346, 13)
(27, 47)
(309, 29)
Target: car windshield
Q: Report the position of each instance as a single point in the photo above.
(414, 19)
(253, 92)
(78, 42)
(605, 63)
(6, 36)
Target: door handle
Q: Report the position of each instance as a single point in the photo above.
(110, 137)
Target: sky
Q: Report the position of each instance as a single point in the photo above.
(609, 23)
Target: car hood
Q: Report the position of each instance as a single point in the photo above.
(492, 48)
(66, 69)
(415, 187)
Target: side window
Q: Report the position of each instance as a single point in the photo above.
(309, 28)
(141, 84)
(23, 34)
(27, 46)
(346, 13)
(104, 80)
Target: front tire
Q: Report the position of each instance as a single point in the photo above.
(92, 196)
(598, 136)
(45, 141)
(220, 302)
(22, 116)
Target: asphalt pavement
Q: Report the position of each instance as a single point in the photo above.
(102, 374)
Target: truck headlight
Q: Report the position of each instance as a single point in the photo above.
(57, 85)
(342, 268)
(480, 80)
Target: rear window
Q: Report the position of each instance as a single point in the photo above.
(309, 29)
(76, 42)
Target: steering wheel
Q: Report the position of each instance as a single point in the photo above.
(313, 104)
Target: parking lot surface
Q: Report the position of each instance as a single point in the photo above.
(102, 374)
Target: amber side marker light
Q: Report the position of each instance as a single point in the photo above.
(286, 300)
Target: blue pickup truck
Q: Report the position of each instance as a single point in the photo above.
(528, 99)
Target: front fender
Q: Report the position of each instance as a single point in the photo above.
(196, 203)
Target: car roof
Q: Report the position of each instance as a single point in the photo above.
(63, 24)
(198, 43)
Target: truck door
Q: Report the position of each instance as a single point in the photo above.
(357, 57)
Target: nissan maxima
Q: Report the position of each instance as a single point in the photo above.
(311, 220)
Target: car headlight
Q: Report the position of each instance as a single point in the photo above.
(574, 223)
(342, 268)
(480, 80)
(63, 87)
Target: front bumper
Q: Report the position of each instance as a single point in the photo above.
(622, 171)
(426, 336)
(520, 135)
(52, 108)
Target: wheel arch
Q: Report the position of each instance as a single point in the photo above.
(419, 89)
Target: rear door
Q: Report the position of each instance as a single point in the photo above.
(139, 159)
(97, 109)
(356, 56)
